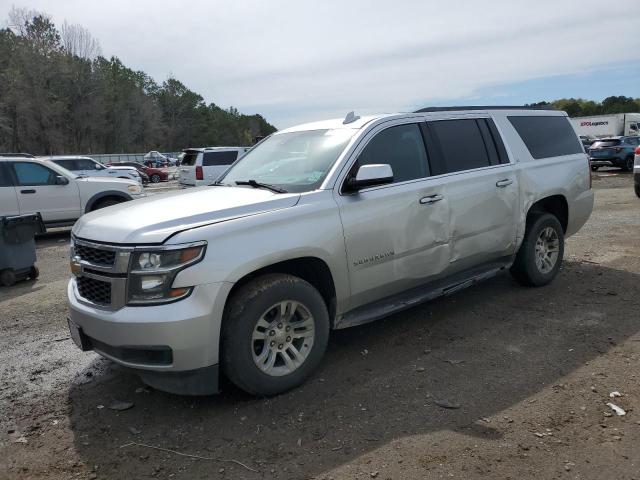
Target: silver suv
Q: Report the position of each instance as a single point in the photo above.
(319, 227)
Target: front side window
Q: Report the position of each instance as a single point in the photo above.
(33, 174)
(68, 164)
(84, 164)
(402, 148)
(294, 161)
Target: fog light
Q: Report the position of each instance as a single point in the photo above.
(151, 282)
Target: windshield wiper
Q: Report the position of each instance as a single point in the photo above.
(219, 184)
(254, 184)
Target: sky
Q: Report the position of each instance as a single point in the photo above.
(295, 61)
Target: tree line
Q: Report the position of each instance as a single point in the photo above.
(578, 107)
(59, 95)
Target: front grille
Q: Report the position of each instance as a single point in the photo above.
(95, 255)
(95, 291)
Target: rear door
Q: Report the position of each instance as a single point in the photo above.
(187, 170)
(8, 196)
(215, 163)
(480, 186)
(37, 191)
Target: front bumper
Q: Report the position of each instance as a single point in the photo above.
(176, 337)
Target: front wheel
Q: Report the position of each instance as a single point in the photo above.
(274, 334)
(594, 168)
(540, 255)
(155, 178)
(106, 203)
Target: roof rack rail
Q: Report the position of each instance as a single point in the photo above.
(486, 107)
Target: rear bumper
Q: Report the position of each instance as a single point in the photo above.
(606, 162)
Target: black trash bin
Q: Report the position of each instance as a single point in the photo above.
(18, 247)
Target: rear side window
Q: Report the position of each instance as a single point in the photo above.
(5, 180)
(547, 136)
(190, 159)
(68, 164)
(402, 147)
(211, 159)
(461, 146)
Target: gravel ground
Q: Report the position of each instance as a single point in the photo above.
(529, 372)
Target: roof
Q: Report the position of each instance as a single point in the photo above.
(202, 149)
(484, 107)
(66, 157)
(333, 124)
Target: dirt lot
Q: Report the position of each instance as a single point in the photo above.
(531, 371)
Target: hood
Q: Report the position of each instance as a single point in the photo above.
(153, 219)
(106, 180)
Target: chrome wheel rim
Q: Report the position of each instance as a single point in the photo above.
(547, 250)
(282, 338)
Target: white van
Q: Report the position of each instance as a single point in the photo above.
(203, 166)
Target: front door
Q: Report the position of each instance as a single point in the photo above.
(396, 235)
(37, 191)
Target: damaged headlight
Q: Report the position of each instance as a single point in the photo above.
(153, 270)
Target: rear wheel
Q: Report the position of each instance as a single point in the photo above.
(34, 273)
(636, 187)
(155, 178)
(594, 168)
(540, 255)
(627, 166)
(274, 334)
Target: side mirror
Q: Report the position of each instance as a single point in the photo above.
(370, 176)
(99, 166)
(60, 180)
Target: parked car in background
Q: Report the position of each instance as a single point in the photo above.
(323, 226)
(587, 140)
(636, 172)
(159, 160)
(202, 166)
(155, 175)
(30, 185)
(88, 167)
(613, 152)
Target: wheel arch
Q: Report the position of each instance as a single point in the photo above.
(309, 268)
(556, 205)
(104, 195)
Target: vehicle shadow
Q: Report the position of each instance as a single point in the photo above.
(484, 349)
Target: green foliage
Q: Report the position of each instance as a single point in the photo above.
(55, 102)
(578, 107)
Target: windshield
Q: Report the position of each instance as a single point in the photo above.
(295, 162)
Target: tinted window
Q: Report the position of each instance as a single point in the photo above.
(33, 174)
(83, 164)
(190, 158)
(401, 147)
(605, 143)
(211, 159)
(68, 164)
(5, 180)
(461, 145)
(547, 136)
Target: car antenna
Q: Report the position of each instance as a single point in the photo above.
(350, 118)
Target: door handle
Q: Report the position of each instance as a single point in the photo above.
(429, 199)
(27, 191)
(503, 183)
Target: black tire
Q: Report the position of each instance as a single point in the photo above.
(627, 166)
(7, 277)
(155, 178)
(34, 273)
(525, 268)
(107, 202)
(242, 313)
(594, 168)
(636, 187)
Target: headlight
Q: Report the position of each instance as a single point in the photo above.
(134, 189)
(153, 270)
